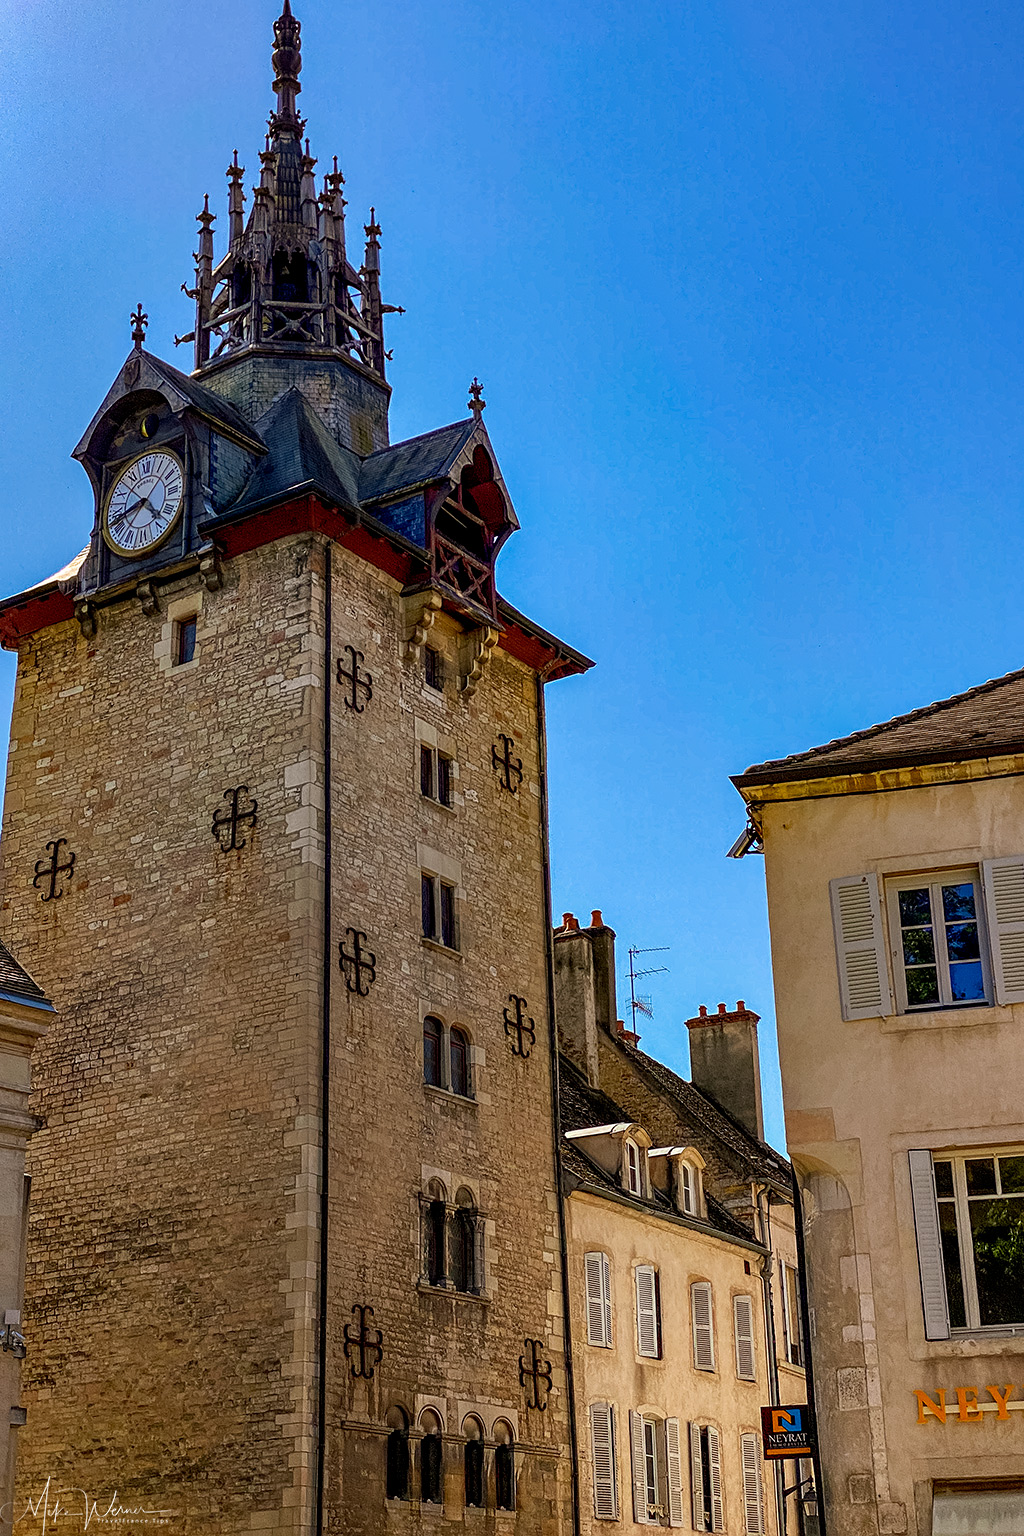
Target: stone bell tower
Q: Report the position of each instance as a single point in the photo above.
(275, 845)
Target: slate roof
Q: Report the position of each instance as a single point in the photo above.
(302, 456)
(985, 721)
(756, 1159)
(205, 401)
(417, 461)
(582, 1106)
(15, 980)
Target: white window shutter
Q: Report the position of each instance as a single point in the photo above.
(753, 1516)
(598, 1300)
(860, 947)
(673, 1457)
(929, 1246)
(715, 1461)
(1004, 907)
(636, 1445)
(606, 1292)
(602, 1444)
(697, 1480)
(647, 1311)
(703, 1332)
(743, 1324)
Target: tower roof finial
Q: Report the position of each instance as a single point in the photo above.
(139, 323)
(477, 403)
(287, 61)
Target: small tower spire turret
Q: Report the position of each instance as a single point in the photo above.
(287, 61)
(285, 284)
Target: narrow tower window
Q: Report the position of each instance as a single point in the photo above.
(460, 1063)
(504, 1467)
(433, 668)
(473, 1458)
(433, 1035)
(184, 641)
(398, 1454)
(431, 1480)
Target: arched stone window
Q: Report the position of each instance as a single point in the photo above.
(397, 1453)
(504, 1466)
(460, 1062)
(473, 1463)
(463, 1243)
(433, 1040)
(431, 1460)
(436, 1221)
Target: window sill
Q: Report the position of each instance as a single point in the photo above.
(954, 1017)
(438, 805)
(449, 1095)
(441, 949)
(449, 1293)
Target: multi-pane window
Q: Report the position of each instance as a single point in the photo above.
(435, 775)
(981, 1224)
(433, 668)
(184, 641)
(706, 1478)
(657, 1470)
(634, 1169)
(438, 903)
(452, 1241)
(648, 1312)
(688, 1188)
(938, 941)
(791, 1325)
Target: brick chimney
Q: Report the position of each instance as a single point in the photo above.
(724, 1063)
(584, 989)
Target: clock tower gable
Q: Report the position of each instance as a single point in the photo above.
(163, 454)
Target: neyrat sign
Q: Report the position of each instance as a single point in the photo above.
(967, 1405)
(786, 1432)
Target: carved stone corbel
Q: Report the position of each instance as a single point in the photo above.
(85, 613)
(481, 643)
(419, 611)
(209, 568)
(147, 598)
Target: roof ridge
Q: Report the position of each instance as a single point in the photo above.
(921, 713)
(403, 442)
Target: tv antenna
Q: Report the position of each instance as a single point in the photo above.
(643, 1004)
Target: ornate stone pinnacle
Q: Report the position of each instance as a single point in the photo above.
(477, 403)
(139, 323)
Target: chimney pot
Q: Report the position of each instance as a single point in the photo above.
(596, 920)
(722, 1008)
(703, 1011)
(741, 1006)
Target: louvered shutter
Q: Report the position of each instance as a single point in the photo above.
(860, 947)
(697, 1480)
(929, 1246)
(602, 1443)
(647, 1341)
(673, 1457)
(703, 1336)
(715, 1464)
(1004, 906)
(599, 1321)
(636, 1446)
(753, 1517)
(743, 1324)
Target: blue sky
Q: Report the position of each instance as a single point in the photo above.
(742, 283)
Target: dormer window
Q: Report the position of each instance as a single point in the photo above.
(634, 1174)
(688, 1188)
(678, 1173)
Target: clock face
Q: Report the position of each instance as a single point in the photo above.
(144, 504)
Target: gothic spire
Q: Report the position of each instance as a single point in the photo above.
(285, 282)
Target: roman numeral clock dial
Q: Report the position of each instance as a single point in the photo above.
(144, 503)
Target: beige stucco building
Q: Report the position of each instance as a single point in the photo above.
(896, 898)
(24, 1020)
(681, 1260)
